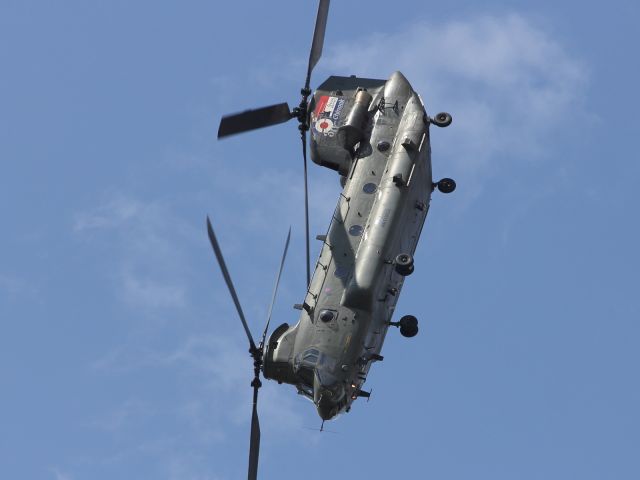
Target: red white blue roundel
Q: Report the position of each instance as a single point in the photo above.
(323, 125)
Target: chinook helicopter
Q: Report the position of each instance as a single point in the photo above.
(375, 135)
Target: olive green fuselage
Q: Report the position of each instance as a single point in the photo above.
(376, 135)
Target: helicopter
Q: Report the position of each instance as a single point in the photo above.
(375, 135)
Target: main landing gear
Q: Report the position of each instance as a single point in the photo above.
(446, 185)
(404, 264)
(442, 119)
(408, 326)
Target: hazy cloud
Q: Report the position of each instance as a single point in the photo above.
(59, 474)
(125, 413)
(112, 214)
(149, 244)
(507, 82)
(11, 285)
(225, 367)
(151, 293)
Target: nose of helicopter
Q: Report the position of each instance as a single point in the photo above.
(327, 396)
(326, 410)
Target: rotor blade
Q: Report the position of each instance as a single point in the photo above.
(303, 136)
(318, 38)
(227, 278)
(254, 445)
(275, 288)
(252, 119)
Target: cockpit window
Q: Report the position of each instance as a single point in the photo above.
(305, 390)
(310, 357)
(305, 374)
(305, 364)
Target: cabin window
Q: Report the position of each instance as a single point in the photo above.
(305, 374)
(311, 356)
(355, 230)
(327, 315)
(369, 188)
(308, 359)
(305, 390)
(383, 146)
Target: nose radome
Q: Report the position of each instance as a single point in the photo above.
(326, 412)
(325, 397)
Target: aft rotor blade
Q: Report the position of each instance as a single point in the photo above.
(275, 288)
(253, 119)
(227, 279)
(303, 136)
(318, 38)
(254, 445)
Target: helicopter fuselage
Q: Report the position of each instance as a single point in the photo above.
(375, 133)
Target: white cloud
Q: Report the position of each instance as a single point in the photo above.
(151, 293)
(124, 414)
(12, 286)
(224, 363)
(112, 214)
(189, 466)
(506, 81)
(59, 474)
(226, 369)
(149, 244)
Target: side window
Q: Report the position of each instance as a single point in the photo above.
(306, 375)
(305, 390)
(310, 357)
(304, 365)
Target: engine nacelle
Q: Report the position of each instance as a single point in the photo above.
(339, 120)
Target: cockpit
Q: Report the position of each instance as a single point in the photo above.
(304, 365)
(318, 383)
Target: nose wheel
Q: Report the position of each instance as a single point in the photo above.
(408, 326)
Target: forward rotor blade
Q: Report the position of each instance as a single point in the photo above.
(227, 278)
(275, 288)
(253, 119)
(318, 38)
(254, 445)
(303, 136)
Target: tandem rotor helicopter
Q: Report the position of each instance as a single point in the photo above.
(375, 134)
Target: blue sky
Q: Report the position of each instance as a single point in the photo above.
(120, 353)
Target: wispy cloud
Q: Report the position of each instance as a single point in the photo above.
(148, 292)
(225, 369)
(12, 286)
(127, 412)
(59, 474)
(189, 466)
(113, 213)
(149, 243)
(505, 79)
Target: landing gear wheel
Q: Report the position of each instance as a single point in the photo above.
(442, 119)
(408, 326)
(404, 264)
(446, 185)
